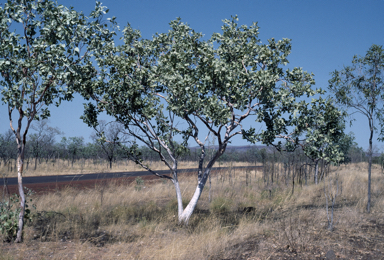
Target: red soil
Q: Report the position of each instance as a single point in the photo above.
(41, 188)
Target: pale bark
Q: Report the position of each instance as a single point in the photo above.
(20, 140)
(370, 164)
(316, 171)
(187, 213)
(202, 179)
(20, 162)
(179, 198)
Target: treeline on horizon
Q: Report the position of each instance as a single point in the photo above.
(43, 147)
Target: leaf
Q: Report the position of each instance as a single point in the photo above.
(77, 51)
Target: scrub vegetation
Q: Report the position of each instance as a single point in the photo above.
(245, 219)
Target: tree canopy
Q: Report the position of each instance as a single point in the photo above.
(179, 85)
(45, 50)
(360, 87)
(324, 137)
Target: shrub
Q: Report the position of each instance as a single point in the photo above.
(9, 215)
(139, 183)
(220, 205)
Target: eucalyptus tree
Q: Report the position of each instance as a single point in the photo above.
(73, 147)
(356, 154)
(346, 146)
(43, 50)
(42, 140)
(7, 147)
(114, 135)
(360, 88)
(324, 133)
(178, 88)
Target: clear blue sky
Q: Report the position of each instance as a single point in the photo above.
(325, 35)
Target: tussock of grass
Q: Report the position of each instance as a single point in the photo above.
(258, 220)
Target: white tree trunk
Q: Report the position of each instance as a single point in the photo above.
(316, 172)
(19, 237)
(187, 213)
(202, 180)
(179, 197)
(185, 216)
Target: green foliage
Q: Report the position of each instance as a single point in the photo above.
(148, 85)
(346, 146)
(9, 215)
(173, 205)
(139, 183)
(176, 84)
(360, 86)
(324, 133)
(8, 146)
(45, 52)
(47, 55)
(220, 205)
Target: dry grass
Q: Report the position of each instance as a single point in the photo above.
(63, 167)
(120, 222)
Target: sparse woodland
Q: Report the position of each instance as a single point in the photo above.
(179, 101)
